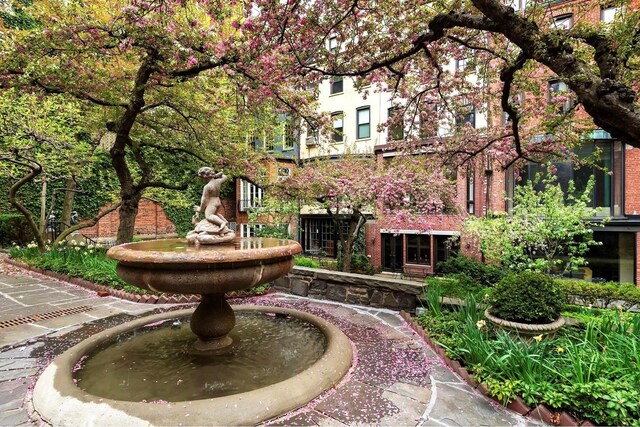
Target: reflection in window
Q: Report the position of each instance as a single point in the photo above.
(606, 168)
(338, 127)
(363, 123)
(418, 249)
(336, 85)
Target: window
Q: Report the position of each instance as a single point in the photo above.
(607, 155)
(250, 196)
(418, 249)
(471, 189)
(563, 22)
(338, 127)
(333, 44)
(319, 236)
(363, 129)
(396, 128)
(609, 14)
(336, 85)
(468, 116)
(249, 230)
(461, 64)
(558, 92)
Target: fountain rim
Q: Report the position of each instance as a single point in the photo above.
(134, 253)
(60, 401)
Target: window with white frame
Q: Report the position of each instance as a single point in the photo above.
(471, 190)
(337, 119)
(563, 22)
(609, 14)
(363, 124)
(333, 44)
(250, 196)
(249, 230)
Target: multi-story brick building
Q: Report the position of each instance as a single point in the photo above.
(488, 188)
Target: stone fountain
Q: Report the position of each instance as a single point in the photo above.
(210, 262)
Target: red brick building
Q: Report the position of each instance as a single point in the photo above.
(151, 222)
(616, 194)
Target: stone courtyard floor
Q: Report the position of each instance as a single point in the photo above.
(396, 379)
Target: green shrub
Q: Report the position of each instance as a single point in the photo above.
(486, 274)
(14, 229)
(302, 261)
(592, 293)
(527, 297)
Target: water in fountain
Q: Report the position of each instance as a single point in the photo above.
(157, 366)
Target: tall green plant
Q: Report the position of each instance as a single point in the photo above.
(544, 231)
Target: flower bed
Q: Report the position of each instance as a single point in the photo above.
(590, 370)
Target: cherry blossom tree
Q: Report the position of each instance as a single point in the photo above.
(168, 77)
(409, 48)
(354, 188)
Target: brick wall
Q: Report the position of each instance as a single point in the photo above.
(638, 260)
(151, 220)
(632, 181)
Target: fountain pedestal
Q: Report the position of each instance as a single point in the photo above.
(173, 266)
(211, 322)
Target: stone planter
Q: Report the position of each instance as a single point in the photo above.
(526, 330)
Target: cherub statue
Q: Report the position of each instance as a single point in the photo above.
(213, 228)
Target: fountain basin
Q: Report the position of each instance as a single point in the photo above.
(174, 266)
(59, 401)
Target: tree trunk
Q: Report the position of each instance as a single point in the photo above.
(43, 206)
(13, 191)
(128, 213)
(355, 222)
(67, 204)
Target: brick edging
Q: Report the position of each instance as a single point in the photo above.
(104, 291)
(540, 412)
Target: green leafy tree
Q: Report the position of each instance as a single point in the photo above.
(544, 231)
(42, 141)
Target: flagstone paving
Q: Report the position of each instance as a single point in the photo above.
(396, 379)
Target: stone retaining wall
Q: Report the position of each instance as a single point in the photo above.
(351, 288)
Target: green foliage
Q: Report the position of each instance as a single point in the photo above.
(14, 229)
(87, 262)
(277, 231)
(527, 297)
(591, 370)
(18, 18)
(604, 293)
(486, 274)
(544, 231)
(302, 261)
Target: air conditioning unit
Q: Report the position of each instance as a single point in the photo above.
(311, 141)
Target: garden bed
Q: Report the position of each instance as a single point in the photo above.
(588, 373)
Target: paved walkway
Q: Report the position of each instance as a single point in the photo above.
(396, 379)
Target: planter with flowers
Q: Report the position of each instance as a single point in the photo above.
(528, 304)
